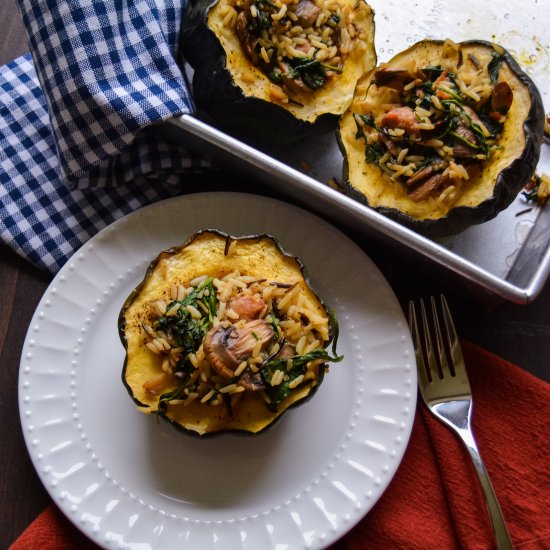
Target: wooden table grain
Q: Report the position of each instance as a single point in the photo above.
(518, 333)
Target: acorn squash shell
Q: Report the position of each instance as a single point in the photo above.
(364, 182)
(243, 108)
(202, 420)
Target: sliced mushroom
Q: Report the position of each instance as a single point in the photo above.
(461, 149)
(462, 152)
(473, 169)
(425, 172)
(471, 113)
(427, 187)
(307, 13)
(501, 98)
(390, 145)
(226, 347)
(391, 78)
(252, 381)
(248, 42)
(287, 351)
(292, 84)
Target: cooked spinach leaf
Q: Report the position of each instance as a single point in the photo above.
(311, 71)
(292, 367)
(187, 331)
(374, 152)
(494, 66)
(432, 72)
(495, 128)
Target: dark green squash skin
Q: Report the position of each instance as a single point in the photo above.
(333, 331)
(509, 182)
(214, 91)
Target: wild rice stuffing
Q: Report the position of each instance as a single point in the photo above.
(437, 125)
(301, 45)
(218, 338)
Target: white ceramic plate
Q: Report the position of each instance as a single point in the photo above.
(128, 481)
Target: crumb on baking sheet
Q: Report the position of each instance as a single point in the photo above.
(538, 189)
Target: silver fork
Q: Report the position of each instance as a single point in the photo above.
(446, 392)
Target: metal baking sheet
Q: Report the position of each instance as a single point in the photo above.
(509, 256)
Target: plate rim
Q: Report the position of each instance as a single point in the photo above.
(114, 226)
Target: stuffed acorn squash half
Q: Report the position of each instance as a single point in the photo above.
(225, 334)
(277, 70)
(443, 136)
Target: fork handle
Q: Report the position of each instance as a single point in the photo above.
(497, 520)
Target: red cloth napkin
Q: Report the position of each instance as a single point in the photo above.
(435, 501)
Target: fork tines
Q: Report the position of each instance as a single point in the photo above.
(443, 358)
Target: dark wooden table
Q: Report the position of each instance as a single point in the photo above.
(518, 333)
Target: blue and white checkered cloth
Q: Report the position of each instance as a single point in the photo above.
(76, 146)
